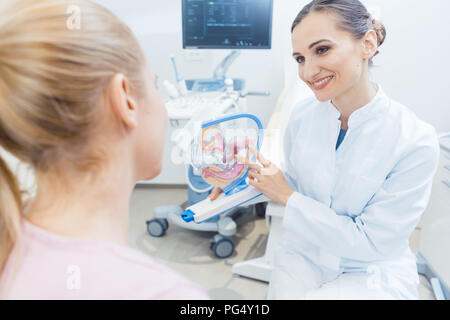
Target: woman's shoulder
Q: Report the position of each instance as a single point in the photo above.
(413, 133)
(302, 110)
(154, 280)
(57, 267)
(408, 123)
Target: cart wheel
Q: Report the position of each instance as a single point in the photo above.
(222, 247)
(157, 227)
(260, 209)
(165, 223)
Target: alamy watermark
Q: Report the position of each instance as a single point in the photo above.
(188, 147)
(74, 20)
(73, 281)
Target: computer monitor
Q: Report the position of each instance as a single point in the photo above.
(227, 24)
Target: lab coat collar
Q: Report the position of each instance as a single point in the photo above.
(379, 103)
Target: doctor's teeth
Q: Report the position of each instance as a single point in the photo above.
(323, 81)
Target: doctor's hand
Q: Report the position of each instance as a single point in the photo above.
(215, 193)
(267, 178)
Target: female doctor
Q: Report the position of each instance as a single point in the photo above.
(359, 168)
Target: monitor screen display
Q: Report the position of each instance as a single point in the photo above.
(227, 24)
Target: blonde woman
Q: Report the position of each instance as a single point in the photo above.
(80, 105)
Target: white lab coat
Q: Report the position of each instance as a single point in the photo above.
(348, 223)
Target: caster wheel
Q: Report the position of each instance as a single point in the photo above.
(165, 223)
(157, 227)
(260, 209)
(222, 247)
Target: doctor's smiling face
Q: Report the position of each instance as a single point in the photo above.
(330, 60)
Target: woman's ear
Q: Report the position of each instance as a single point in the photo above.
(122, 103)
(370, 44)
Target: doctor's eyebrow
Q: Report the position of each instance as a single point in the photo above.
(312, 45)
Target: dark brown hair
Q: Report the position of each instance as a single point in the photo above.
(353, 15)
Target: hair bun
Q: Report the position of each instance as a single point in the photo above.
(380, 30)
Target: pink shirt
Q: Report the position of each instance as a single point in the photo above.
(58, 267)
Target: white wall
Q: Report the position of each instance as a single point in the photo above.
(413, 64)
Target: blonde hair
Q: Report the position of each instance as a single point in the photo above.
(52, 77)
